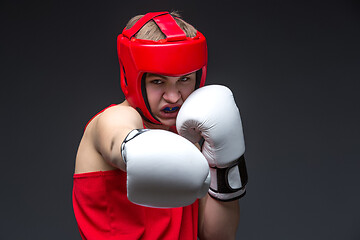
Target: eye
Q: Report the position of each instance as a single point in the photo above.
(157, 81)
(184, 79)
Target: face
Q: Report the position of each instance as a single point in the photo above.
(166, 95)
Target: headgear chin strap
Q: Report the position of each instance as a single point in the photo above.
(176, 55)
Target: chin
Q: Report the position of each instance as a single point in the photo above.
(168, 122)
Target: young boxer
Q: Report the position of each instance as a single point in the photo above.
(135, 177)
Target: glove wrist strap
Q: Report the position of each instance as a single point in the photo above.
(228, 184)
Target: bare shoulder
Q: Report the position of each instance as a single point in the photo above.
(115, 121)
(121, 115)
(104, 133)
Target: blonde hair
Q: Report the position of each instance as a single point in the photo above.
(151, 31)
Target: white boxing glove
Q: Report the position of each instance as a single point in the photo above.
(211, 113)
(164, 170)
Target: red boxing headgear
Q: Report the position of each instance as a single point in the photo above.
(176, 55)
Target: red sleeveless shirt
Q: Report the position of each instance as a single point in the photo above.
(102, 211)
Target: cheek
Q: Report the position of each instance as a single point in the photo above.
(153, 96)
(188, 90)
(187, 93)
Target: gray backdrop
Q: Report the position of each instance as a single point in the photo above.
(292, 65)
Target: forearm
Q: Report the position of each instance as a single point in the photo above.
(218, 220)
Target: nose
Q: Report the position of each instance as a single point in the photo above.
(172, 94)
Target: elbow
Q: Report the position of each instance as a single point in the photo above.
(217, 235)
(227, 237)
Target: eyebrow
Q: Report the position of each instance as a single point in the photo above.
(156, 75)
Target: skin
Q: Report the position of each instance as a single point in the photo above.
(165, 91)
(99, 149)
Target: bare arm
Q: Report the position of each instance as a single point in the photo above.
(110, 129)
(218, 220)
